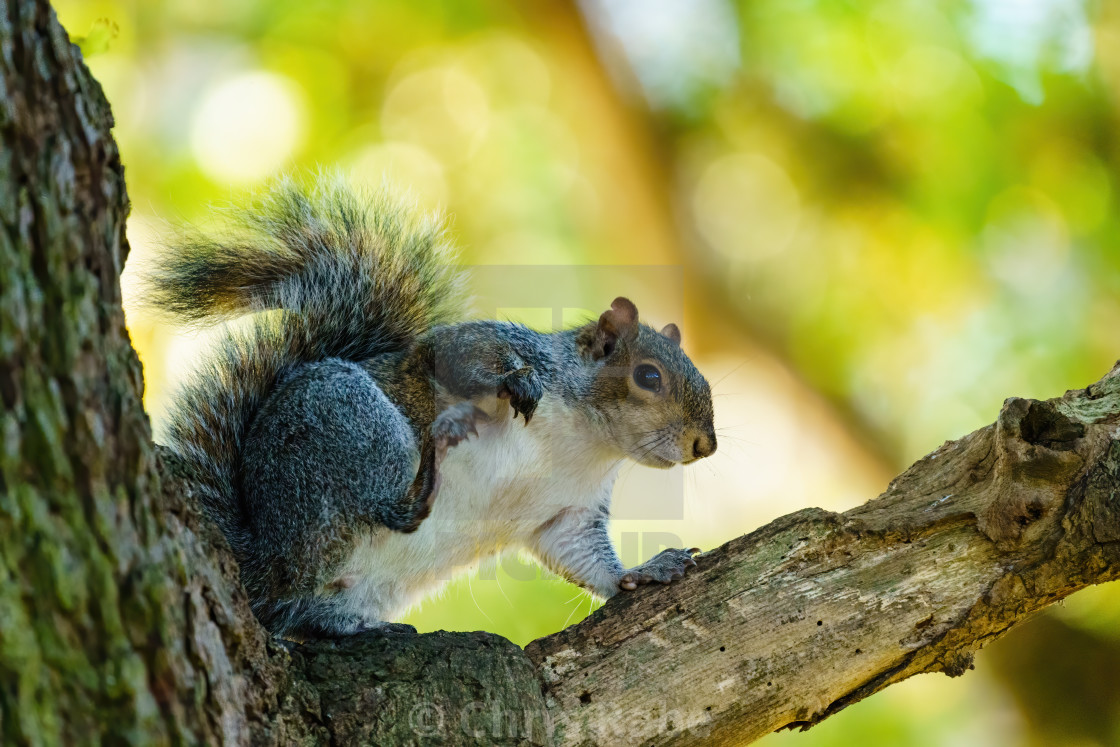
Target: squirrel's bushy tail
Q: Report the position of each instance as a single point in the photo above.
(349, 276)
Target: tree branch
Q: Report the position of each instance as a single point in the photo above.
(792, 623)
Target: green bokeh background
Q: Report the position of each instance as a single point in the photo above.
(893, 214)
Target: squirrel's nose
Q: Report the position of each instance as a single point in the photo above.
(704, 445)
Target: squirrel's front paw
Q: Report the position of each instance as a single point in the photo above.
(665, 567)
(455, 424)
(523, 389)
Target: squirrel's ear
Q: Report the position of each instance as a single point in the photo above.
(619, 322)
(673, 333)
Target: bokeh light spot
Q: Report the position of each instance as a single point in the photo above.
(248, 127)
(443, 109)
(746, 206)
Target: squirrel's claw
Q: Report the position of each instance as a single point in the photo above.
(456, 423)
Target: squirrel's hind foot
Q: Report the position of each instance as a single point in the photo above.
(327, 627)
(323, 617)
(381, 627)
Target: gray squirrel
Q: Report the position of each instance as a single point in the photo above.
(329, 436)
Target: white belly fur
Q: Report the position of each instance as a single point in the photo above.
(495, 490)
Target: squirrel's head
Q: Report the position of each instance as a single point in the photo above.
(646, 391)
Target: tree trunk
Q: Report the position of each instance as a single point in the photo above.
(118, 620)
(121, 618)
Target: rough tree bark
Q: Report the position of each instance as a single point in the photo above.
(121, 619)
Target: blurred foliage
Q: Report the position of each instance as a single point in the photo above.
(100, 36)
(916, 202)
(900, 212)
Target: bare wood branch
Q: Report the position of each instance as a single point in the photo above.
(792, 623)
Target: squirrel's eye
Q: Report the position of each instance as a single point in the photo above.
(647, 377)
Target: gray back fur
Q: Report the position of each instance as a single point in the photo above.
(352, 276)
